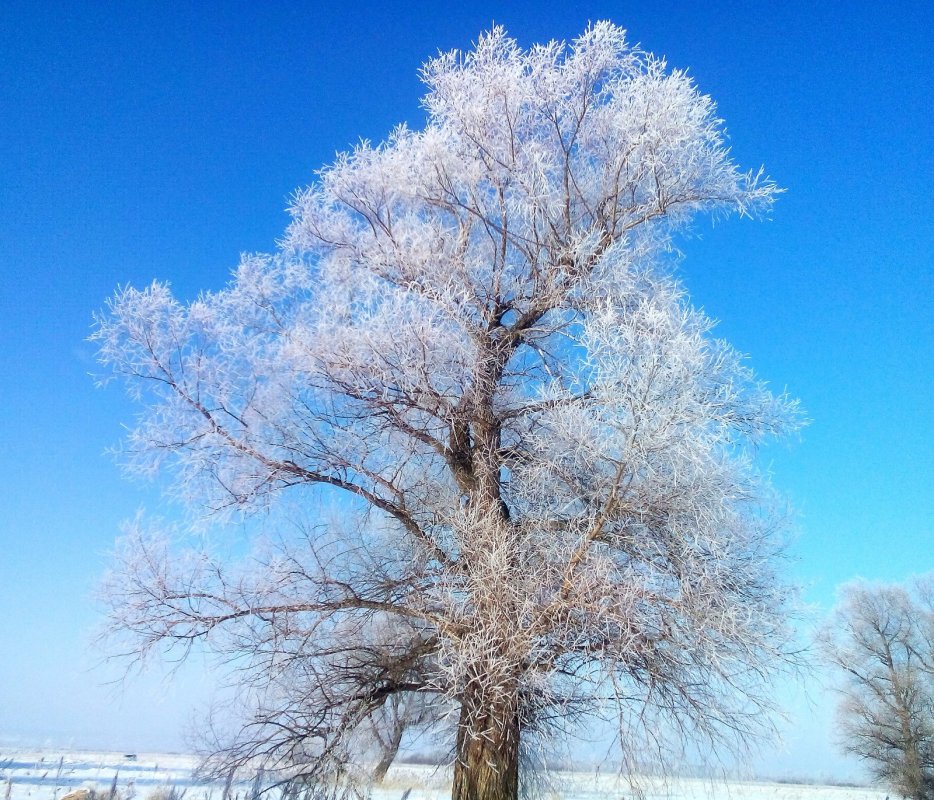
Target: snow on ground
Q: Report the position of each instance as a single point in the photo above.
(48, 775)
(428, 783)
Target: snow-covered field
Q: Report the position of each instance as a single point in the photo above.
(48, 775)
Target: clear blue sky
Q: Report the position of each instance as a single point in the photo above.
(151, 140)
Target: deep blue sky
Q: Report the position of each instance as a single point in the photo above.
(163, 141)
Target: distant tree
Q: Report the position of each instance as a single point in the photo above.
(550, 511)
(882, 640)
(388, 725)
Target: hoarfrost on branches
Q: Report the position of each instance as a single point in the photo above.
(880, 640)
(551, 510)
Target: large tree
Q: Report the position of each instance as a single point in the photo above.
(881, 641)
(469, 334)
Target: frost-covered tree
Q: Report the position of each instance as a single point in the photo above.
(550, 511)
(881, 641)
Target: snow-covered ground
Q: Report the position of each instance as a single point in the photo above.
(430, 784)
(48, 775)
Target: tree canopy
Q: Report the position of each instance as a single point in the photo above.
(470, 332)
(880, 639)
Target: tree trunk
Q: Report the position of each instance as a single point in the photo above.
(487, 765)
(912, 777)
(389, 750)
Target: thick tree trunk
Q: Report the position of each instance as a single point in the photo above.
(487, 765)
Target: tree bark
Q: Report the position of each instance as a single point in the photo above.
(487, 765)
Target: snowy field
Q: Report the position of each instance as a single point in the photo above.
(49, 775)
